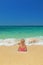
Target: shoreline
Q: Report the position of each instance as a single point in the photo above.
(14, 41)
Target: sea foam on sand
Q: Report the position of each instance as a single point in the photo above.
(14, 41)
(7, 42)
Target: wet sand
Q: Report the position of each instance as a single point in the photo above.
(10, 56)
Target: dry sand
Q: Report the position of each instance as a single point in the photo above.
(10, 56)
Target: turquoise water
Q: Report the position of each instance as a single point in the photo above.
(20, 31)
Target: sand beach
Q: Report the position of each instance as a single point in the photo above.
(10, 55)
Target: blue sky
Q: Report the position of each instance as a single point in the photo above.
(21, 12)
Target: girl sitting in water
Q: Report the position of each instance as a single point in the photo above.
(22, 46)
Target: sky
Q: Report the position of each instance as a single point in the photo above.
(21, 12)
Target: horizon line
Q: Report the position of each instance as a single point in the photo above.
(21, 25)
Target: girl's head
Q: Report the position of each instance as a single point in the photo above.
(22, 42)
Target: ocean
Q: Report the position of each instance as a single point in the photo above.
(20, 32)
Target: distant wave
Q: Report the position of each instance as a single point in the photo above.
(14, 41)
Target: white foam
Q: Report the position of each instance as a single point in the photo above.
(40, 42)
(14, 41)
(7, 42)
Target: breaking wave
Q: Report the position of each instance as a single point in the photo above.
(14, 41)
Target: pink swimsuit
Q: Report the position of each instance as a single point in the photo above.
(21, 49)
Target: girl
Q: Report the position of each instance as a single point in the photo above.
(22, 46)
